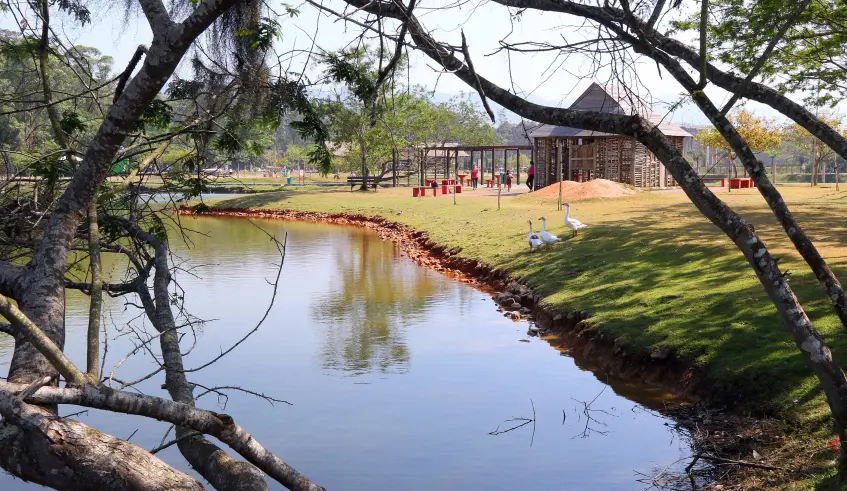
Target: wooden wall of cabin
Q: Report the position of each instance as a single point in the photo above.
(542, 152)
(679, 143)
(614, 157)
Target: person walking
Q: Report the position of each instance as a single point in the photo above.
(508, 180)
(475, 177)
(530, 176)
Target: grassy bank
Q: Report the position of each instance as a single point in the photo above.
(651, 269)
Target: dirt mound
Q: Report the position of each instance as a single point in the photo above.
(574, 191)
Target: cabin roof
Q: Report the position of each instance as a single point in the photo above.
(609, 100)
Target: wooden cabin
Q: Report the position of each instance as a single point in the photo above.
(564, 153)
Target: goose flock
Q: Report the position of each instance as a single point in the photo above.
(543, 237)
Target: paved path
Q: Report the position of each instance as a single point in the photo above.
(484, 191)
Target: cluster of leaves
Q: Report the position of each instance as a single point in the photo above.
(262, 36)
(76, 9)
(810, 56)
(24, 126)
(355, 69)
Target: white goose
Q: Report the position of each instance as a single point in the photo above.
(546, 236)
(573, 223)
(534, 241)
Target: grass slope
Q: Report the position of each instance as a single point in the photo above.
(651, 269)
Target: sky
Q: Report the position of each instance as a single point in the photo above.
(540, 77)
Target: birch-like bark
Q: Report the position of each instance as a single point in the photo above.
(84, 459)
(95, 292)
(220, 426)
(39, 287)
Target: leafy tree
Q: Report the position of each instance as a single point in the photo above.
(807, 37)
(809, 146)
(760, 134)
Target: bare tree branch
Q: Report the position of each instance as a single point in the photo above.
(478, 85)
(121, 465)
(43, 344)
(130, 67)
(221, 426)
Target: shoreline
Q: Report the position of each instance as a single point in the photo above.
(715, 421)
(572, 327)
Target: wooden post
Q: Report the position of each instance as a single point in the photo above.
(633, 157)
(492, 165)
(518, 167)
(559, 170)
(455, 173)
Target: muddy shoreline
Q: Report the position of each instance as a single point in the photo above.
(711, 414)
(573, 327)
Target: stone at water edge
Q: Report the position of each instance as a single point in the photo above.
(503, 297)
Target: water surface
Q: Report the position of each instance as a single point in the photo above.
(397, 374)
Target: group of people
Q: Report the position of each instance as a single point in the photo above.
(530, 177)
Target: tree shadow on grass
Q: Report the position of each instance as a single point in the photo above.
(275, 199)
(664, 279)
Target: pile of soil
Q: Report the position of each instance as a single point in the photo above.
(575, 191)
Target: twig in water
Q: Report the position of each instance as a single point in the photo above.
(522, 422)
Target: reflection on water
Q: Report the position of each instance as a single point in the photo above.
(436, 368)
(368, 306)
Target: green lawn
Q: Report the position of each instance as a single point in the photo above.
(651, 269)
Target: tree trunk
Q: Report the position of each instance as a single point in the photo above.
(65, 454)
(363, 148)
(815, 162)
(96, 293)
(41, 295)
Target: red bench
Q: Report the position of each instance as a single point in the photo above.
(421, 191)
(740, 182)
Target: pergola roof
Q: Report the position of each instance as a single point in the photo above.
(609, 100)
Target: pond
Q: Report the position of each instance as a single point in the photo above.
(397, 375)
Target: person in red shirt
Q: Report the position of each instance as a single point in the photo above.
(475, 177)
(508, 179)
(530, 176)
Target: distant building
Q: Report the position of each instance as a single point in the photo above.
(562, 152)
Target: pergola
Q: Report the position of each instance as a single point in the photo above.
(447, 152)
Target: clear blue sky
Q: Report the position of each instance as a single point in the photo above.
(541, 77)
